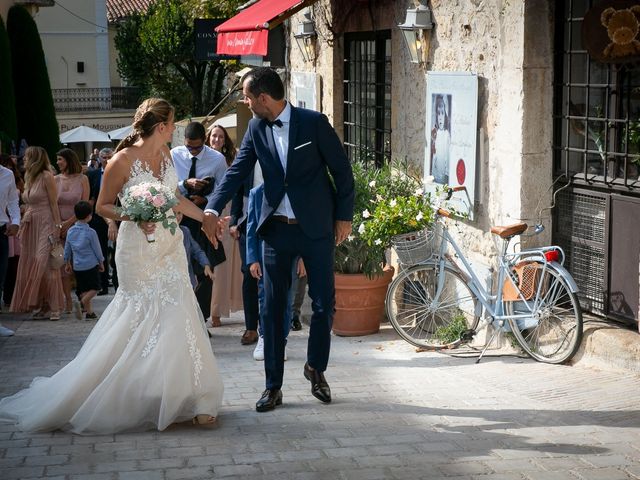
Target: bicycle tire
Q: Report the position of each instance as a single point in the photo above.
(554, 334)
(411, 312)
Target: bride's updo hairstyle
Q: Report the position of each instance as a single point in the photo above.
(151, 113)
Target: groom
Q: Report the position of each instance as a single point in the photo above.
(302, 214)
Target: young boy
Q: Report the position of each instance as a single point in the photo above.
(254, 261)
(83, 256)
(194, 253)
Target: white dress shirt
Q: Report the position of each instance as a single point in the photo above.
(210, 163)
(281, 139)
(9, 207)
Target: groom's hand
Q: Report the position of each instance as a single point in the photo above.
(210, 228)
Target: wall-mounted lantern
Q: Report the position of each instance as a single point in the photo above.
(306, 37)
(416, 31)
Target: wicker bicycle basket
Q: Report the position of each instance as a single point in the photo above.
(528, 275)
(414, 247)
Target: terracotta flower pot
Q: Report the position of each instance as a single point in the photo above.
(360, 303)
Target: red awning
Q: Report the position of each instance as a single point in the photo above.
(247, 32)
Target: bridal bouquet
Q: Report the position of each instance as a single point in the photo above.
(149, 202)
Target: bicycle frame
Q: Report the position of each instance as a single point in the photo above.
(493, 303)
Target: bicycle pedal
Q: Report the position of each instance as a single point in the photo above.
(467, 335)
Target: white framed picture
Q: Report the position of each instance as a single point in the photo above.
(451, 134)
(305, 90)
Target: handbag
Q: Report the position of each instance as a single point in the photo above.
(56, 254)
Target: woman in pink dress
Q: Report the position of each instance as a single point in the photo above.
(227, 280)
(72, 186)
(38, 287)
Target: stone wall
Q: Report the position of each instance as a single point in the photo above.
(508, 44)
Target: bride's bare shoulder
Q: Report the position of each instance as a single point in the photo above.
(123, 159)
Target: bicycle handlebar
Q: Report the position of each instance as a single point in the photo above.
(449, 193)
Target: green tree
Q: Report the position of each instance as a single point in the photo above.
(8, 122)
(36, 115)
(157, 52)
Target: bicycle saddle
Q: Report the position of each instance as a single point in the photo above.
(509, 230)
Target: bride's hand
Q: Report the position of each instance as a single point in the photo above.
(223, 224)
(147, 227)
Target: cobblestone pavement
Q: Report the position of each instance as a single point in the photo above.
(396, 414)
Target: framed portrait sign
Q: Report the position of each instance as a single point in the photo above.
(451, 134)
(305, 90)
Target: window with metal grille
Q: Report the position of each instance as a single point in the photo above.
(597, 110)
(367, 96)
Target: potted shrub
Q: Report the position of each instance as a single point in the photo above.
(362, 275)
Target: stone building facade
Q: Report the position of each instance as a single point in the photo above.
(519, 51)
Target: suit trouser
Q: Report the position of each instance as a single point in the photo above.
(282, 243)
(204, 289)
(249, 289)
(102, 229)
(4, 256)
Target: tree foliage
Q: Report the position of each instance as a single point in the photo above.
(8, 122)
(156, 51)
(36, 115)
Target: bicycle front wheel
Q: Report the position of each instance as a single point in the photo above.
(551, 333)
(431, 307)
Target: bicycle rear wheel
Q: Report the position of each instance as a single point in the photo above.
(553, 333)
(430, 307)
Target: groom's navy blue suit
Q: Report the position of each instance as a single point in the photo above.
(313, 151)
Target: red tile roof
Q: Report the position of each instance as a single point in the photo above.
(119, 9)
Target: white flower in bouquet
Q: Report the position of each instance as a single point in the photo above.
(149, 202)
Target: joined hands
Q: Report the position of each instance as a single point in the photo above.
(214, 227)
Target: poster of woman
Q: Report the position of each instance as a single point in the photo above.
(451, 127)
(440, 137)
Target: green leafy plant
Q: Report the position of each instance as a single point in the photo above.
(452, 331)
(372, 184)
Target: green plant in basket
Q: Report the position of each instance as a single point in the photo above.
(396, 216)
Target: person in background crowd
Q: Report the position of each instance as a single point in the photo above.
(199, 167)
(83, 257)
(10, 162)
(254, 260)
(94, 160)
(97, 222)
(9, 224)
(194, 253)
(72, 186)
(227, 280)
(38, 286)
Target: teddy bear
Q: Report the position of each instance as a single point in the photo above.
(622, 27)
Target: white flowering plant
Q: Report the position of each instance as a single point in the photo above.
(395, 215)
(361, 253)
(149, 202)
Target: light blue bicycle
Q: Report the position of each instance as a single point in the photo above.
(436, 303)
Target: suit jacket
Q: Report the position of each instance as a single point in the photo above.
(95, 180)
(314, 151)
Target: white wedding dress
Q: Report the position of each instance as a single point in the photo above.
(148, 361)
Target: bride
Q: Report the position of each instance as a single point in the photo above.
(148, 361)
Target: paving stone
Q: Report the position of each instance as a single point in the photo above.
(143, 475)
(397, 414)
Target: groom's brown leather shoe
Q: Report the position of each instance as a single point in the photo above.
(270, 400)
(319, 386)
